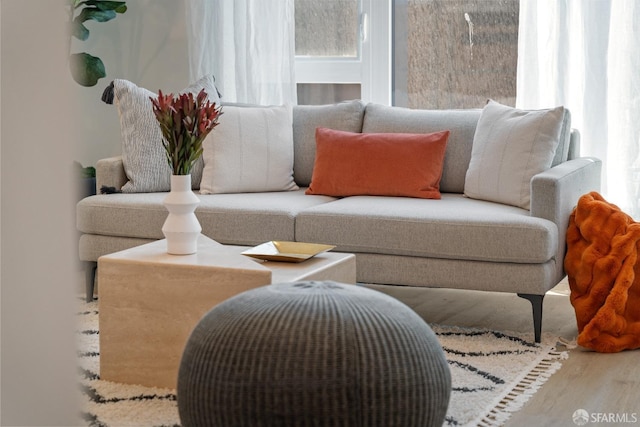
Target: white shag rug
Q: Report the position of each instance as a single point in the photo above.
(493, 375)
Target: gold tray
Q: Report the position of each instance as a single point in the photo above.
(286, 251)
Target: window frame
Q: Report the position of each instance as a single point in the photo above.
(372, 69)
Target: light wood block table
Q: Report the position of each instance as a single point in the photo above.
(150, 301)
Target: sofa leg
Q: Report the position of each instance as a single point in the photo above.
(90, 279)
(536, 305)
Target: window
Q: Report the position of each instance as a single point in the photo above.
(454, 53)
(431, 54)
(343, 50)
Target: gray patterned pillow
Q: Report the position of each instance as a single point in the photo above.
(143, 156)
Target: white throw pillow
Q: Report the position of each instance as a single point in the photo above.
(510, 146)
(250, 151)
(143, 155)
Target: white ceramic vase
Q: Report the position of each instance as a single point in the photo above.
(181, 228)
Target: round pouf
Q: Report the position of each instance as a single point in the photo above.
(313, 354)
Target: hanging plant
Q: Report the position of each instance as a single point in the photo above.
(87, 69)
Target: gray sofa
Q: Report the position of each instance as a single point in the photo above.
(455, 242)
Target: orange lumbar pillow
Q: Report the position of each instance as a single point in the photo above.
(603, 244)
(378, 164)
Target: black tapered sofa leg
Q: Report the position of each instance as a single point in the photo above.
(536, 306)
(90, 278)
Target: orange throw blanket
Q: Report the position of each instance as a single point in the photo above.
(603, 244)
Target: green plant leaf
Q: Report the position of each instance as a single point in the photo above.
(116, 6)
(89, 172)
(86, 69)
(79, 31)
(95, 14)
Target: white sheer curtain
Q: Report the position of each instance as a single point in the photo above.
(248, 45)
(586, 55)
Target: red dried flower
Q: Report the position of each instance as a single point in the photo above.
(185, 121)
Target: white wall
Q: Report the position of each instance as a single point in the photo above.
(147, 45)
(48, 121)
(38, 367)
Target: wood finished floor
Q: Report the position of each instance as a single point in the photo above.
(604, 383)
(598, 383)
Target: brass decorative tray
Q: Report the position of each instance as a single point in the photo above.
(286, 251)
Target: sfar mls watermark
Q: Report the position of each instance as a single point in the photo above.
(581, 417)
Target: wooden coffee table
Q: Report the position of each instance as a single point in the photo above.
(150, 301)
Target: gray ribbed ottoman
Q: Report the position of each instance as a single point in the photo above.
(313, 354)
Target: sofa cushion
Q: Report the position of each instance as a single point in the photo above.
(383, 164)
(564, 143)
(240, 219)
(251, 150)
(254, 218)
(143, 155)
(510, 146)
(460, 123)
(454, 227)
(346, 116)
(535, 279)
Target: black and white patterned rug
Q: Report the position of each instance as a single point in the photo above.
(493, 375)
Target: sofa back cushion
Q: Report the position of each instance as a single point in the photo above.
(344, 116)
(562, 151)
(460, 123)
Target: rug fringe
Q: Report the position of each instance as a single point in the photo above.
(570, 344)
(523, 390)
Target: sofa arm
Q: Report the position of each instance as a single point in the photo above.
(110, 173)
(555, 192)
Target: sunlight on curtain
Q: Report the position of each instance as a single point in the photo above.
(586, 55)
(248, 45)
